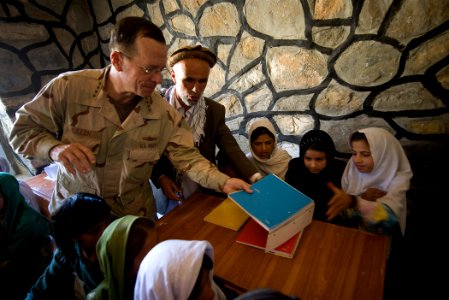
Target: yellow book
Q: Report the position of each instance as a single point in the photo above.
(227, 214)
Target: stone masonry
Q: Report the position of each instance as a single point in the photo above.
(335, 65)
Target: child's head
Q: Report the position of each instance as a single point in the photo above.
(316, 148)
(203, 286)
(120, 249)
(262, 142)
(361, 153)
(79, 222)
(262, 138)
(178, 269)
(141, 239)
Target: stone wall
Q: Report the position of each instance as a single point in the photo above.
(335, 65)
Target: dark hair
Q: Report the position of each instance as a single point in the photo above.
(79, 213)
(358, 136)
(318, 140)
(265, 294)
(128, 29)
(259, 131)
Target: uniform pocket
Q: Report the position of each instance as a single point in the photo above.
(139, 164)
(143, 155)
(88, 138)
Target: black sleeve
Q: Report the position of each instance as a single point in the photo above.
(231, 149)
(293, 169)
(163, 167)
(338, 168)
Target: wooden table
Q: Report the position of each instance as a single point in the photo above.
(42, 187)
(331, 262)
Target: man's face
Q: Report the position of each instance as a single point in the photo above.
(141, 73)
(190, 77)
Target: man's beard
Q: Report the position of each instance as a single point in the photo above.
(185, 99)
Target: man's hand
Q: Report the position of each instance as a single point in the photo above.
(338, 202)
(371, 194)
(235, 184)
(170, 188)
(74, 157)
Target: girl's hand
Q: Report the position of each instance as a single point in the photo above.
(339, 202)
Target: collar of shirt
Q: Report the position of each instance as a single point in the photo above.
(185, 113)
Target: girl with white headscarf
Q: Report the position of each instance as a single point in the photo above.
(265, 154)
(378, 193)
(178, 270)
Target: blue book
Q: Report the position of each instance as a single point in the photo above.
(278, 207)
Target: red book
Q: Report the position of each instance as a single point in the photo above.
(280, 211)
(252, 234)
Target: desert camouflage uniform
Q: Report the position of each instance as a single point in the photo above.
(74, 108)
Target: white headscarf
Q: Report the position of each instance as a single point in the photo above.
(279, 159)
(169, 271)
(391, 172)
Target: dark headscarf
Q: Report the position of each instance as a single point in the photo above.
(317, 140)
(20, 224)
(79, 213)
(315, 185)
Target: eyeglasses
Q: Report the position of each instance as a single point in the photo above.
(152, 70)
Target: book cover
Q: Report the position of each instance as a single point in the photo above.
(252, 234)
(227, 214)
(273, 201)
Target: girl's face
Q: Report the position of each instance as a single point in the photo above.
(206, 291)
(263, 146)
(88, 241)
(315, 161)
(151, 240)
(361, 156)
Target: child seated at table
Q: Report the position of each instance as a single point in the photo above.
(264, 153)
(120, 250)
(74, 270)
(178, 269)
(374, 183)
(25, 243)
(314, 168)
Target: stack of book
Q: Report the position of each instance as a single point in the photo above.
(271, 218)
